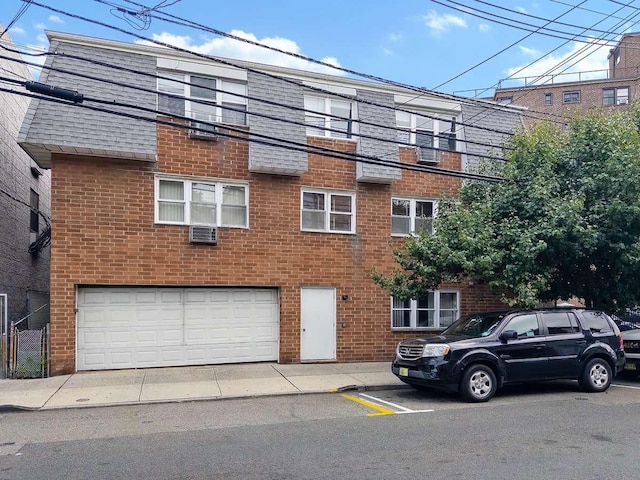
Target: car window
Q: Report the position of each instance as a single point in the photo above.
(595, 321)
(478, 325)
(526, 325)
(559, 323)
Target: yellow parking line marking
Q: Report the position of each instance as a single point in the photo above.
(380, 410)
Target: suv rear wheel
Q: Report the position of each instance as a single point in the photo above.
(596, 376)
(478, 383)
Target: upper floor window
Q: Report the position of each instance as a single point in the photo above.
(324, 211)
(615, 96)
(410, 215)
(505, 100)
(329, 117)
(195, 202)
(430, 134)
(206, 99)
(571, 97)
(548, 98)
(438, 309)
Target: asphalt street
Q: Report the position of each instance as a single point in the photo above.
(551, 431)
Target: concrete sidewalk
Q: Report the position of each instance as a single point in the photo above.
(128, 387)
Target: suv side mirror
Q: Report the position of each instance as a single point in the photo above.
(508, 335)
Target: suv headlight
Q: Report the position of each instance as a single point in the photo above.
(435, 350)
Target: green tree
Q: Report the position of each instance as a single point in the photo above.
(565, 222)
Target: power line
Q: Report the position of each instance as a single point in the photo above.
(21, 11)
(253, 138)
(211, 103)
(527, 90)
(504, 49)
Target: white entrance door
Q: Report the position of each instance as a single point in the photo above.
(317, 323)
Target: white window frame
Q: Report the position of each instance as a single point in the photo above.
(327, 117)
(412, 213)
(436, 308)
(218, 96)
(186, 201)
(327, 209)
(440, 127)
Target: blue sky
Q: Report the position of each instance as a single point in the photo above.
(421, 43)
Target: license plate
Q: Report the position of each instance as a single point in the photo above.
(404, 372)
(627, 366)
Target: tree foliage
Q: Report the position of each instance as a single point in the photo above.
(565, 222)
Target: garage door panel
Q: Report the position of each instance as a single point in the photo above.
(146, 327)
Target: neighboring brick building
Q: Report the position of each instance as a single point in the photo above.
(559, 100)
(24, 194)
(295, 235)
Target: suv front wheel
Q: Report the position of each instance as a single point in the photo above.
(478, 383)
(596, 376)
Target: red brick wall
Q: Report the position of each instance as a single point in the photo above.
(590, 99)
(104, 233)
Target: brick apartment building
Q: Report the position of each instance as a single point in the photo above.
(179, 242)
(560, 99)
(24, 196)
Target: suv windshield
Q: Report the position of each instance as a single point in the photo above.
(479, 325)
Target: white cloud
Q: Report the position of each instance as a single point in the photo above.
(16, 30)
(388, 51)
(529, 52)
(522, 10)
(484, 28)
(394, 37)
(55, 19)
(443, 23)
(227, 47)
(40, 26)
(591, 62)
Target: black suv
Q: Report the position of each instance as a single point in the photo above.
(479, 353)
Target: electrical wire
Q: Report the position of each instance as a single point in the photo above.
(527, 89)
(211, 103)
(21, 11)
(253, 138)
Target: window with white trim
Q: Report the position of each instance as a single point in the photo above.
(329, 117)
(426, 132)
(326, 211)
(437, 310)
(205, 98)
(412, 215)
(615, 96)
(194, 202)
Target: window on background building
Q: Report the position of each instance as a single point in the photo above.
(430, 133)
(615, 96)
(205, 99)
(548, 98)
(437, 310)
(194, 202)
(505, 100)
(410, 215)
(571, 97)
(325, 211)
(329, 117)
(34, 215)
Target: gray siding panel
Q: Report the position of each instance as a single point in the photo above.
(268, 158)
(487, 116)
(376, 147)
(70, 127)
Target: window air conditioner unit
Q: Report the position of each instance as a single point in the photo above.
(203, 131)
(427, 155)
(203, 234)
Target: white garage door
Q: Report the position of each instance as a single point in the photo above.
(159, 327)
